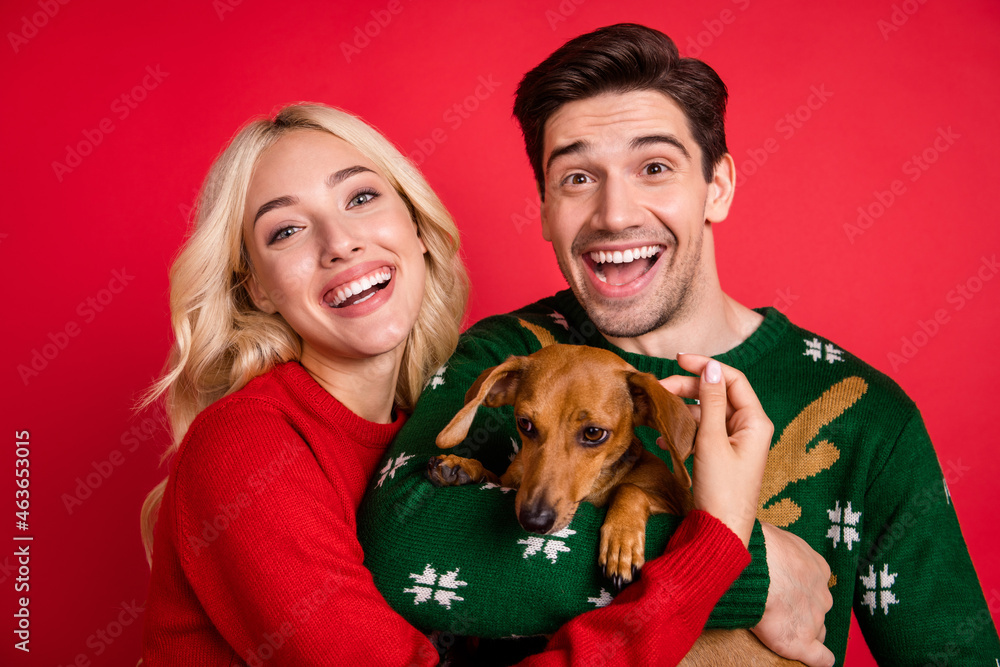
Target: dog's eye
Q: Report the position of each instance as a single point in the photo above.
(594, 436)
(525, 426)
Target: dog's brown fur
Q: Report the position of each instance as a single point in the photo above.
(576, 409)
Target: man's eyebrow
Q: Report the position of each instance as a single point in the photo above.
(340, 176)
(642, 142)
(334, 179)
(277, 202)
(570, 149)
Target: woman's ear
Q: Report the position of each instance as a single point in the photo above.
(721, 189)
(259, 296)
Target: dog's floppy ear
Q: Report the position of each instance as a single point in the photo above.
(658, 408)
(494, 386)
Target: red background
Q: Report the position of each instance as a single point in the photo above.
(892, 74)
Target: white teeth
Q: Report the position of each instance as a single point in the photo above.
(345, 292)
(620, 257)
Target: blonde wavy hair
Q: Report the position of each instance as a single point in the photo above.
(222, 341)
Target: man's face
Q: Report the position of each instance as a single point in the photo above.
(626, 209)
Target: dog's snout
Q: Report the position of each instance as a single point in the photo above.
(537, 518)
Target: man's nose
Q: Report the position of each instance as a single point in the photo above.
(617, 208)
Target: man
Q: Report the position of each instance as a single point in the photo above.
(627, 144)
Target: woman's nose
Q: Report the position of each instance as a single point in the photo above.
(338, 240)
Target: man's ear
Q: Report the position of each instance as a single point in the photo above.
(259, 296)
(543, 212)
(721, 189)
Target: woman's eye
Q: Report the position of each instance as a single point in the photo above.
(282, 234)
(362, 198)
(593, 435)
(525, 426)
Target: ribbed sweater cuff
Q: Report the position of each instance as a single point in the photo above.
(743, 604)
(706, 557)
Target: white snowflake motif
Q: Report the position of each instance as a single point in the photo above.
(845, 525)
(947, 491)
(551, 548)
(833, 353)
(559, 319)
(602, 600)
(491, 485)
(445, 586)
(878, 585)
(517, 449)
(390, 468)
(438, 378)
(815, 349)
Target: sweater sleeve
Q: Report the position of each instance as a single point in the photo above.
(266, 545)
(656, 620)
(917, 598)
(411, 529)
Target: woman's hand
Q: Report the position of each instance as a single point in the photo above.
(733, 439)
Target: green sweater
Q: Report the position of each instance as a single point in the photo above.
(851, 470)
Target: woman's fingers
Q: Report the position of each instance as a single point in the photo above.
(713, 403)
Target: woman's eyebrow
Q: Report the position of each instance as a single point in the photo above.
(334, 179)
(277, 202)
(338, 177)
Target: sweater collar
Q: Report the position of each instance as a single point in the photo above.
(762, 340)
(327, 408)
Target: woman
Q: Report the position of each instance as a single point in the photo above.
(320, 290)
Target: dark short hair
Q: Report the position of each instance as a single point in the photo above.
(623, 58)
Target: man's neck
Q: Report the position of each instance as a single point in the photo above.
(713, 326)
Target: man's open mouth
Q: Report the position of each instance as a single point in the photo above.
(358, 291)
(620, 267)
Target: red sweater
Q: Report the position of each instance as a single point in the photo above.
(255, 556)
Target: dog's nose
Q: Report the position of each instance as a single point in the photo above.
(537, 518)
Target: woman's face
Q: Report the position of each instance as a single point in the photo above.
(333, 247)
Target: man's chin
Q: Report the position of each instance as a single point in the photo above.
(620, 318)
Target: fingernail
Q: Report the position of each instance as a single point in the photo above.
(713, 372)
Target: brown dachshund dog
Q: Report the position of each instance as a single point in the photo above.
(576, 409)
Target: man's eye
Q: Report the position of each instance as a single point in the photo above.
(655, 168)
(577, 179)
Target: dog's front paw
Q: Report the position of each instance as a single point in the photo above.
(451, 470)
(622, 554)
